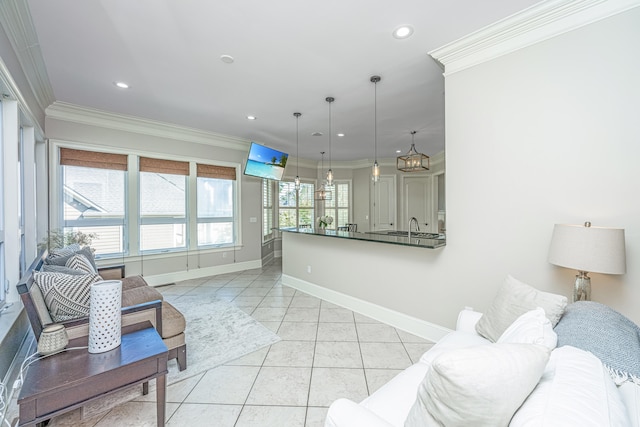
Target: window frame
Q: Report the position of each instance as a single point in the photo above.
(220, 219)
(334, 210)
(297, 207)
(268, 211)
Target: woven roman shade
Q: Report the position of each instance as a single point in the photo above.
(218, 172)
(148, 164)
(93, 159)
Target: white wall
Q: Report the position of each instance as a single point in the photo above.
(547, 134)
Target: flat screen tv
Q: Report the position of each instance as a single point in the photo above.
(265, 162)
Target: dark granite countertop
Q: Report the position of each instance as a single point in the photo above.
(421, 240)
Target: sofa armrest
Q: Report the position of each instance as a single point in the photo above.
(467, 320)
(140, 314)
(346, 413)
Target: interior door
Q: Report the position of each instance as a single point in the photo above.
(384, 203)
(417, 202)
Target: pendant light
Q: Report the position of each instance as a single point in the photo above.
(330, 172)
(375, 171)
(297, 180)
(413, 161)
(322, 193)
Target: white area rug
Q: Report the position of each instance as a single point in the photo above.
(217, 332)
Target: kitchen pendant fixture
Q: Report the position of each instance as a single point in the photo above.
(322, 193)
(330, 172)
(297, 180)
(413, 161)
(375, 171)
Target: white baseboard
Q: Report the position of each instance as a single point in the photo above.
(163, 279)
(413, 325)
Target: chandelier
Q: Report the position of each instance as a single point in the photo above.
(413, 161)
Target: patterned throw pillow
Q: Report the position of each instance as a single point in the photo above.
(48, 268)
(81, 263)
(66, 296)
(62, 260)
(66, 251)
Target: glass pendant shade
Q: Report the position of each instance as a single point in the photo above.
(329, 177)
(375, 171)
(322, 193)
(297, 183)
(297, 180)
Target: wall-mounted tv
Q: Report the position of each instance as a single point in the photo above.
(265, 162)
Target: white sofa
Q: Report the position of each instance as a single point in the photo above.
(574, 390)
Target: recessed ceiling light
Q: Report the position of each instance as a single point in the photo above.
(227, 59)
(251, 117)
(403, 31)
(341, 134)
(398, 151)
(121, 85)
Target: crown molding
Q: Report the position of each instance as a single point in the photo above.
(537, 23)
(15, 18)
(90, 116)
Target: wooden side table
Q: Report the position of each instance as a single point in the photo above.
(68, 380)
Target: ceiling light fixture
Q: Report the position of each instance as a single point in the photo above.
(330, 100)
(403, 32)
(322, 193)
(297, 180)
(413, 161)
(375, 172)
(251, 117)
(121, 85)
(227, 59)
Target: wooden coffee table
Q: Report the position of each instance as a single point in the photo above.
(68, 380)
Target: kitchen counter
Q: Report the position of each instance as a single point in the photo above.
(420, 240)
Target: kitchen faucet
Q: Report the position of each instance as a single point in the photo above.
(411, 221)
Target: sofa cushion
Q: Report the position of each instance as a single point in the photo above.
(344, 412)
(478, 386)
(173, 322)
(50, 268)
(64, 252)
(630, 394)
(531, 328)
(575, 390)
(133, 282)
(513, 300)
(66, 296)
(453, 341)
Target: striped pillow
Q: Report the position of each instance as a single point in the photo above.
(66, 296)
(81, 263)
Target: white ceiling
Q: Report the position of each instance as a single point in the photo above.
(289, 56)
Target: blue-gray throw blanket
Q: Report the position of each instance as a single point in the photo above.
(609, 335)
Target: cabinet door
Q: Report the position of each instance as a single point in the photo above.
(417, 202)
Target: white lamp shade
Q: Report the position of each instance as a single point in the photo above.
(590, 249)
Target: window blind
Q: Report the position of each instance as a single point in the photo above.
(93, 159)
(218, 172)
(148, 164)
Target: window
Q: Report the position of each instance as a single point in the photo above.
(216, 187)
(163, 204)
(267, 210)
(93, 191)
(295, 209)
(3, 281)
(21, 197)
(338, 206)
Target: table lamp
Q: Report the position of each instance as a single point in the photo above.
(587, 249)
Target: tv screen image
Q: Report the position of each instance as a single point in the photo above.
(265, 162)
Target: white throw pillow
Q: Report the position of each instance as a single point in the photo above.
(531, 328)
(574, 391)
(478, 386)
(513, 300)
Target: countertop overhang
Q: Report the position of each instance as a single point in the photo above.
(378, 237)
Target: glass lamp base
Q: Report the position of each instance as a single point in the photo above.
(582, 287)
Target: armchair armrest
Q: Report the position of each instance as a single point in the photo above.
(467, 320)
(346, 413)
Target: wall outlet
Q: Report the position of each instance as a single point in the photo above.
(253, 219)
(309, 269)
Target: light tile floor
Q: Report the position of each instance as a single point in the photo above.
(326, 352)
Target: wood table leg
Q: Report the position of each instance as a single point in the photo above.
(161, 390)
